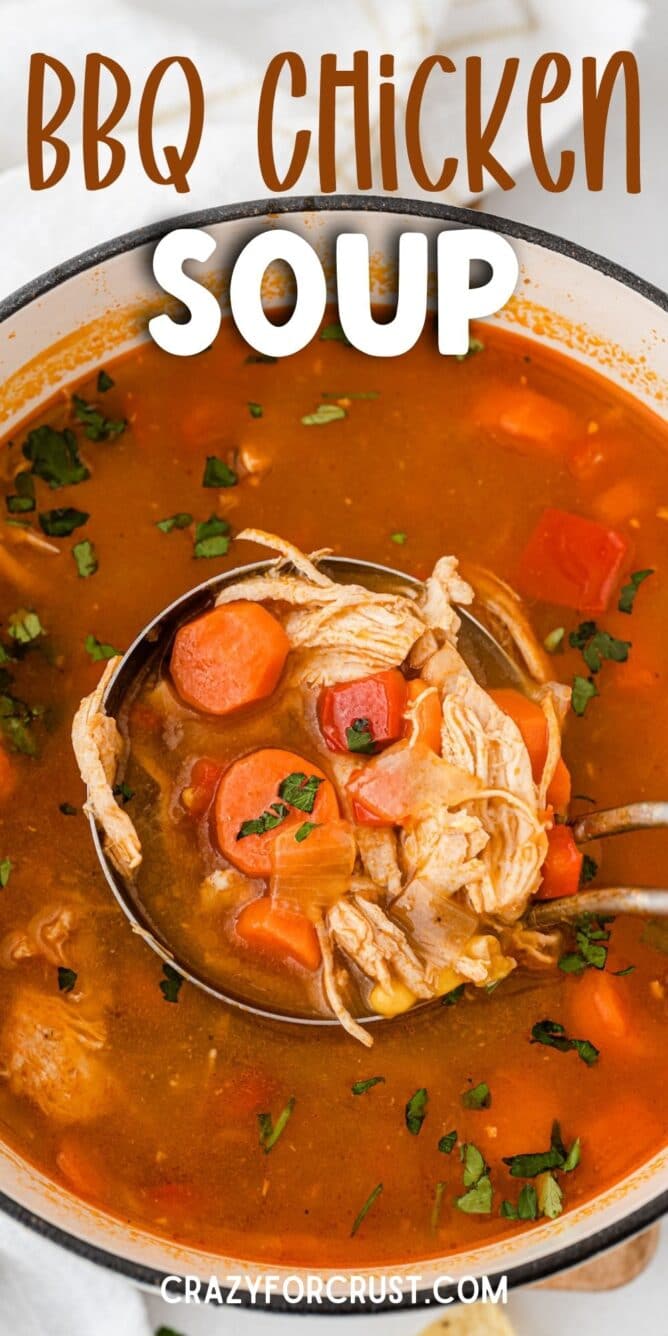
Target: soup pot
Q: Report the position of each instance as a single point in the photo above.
(95, 306)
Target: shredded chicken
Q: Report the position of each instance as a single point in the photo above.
(366, 934)
(45, 935)
(50, 1053)
(531, 947)
(333, 993)
(98, 747)
(505, 607)
(377, 848)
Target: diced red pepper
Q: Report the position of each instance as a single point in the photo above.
(572, 561)
(379, 700)
(204, 779)
(562, 868)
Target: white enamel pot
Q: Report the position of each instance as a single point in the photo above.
(95, 306)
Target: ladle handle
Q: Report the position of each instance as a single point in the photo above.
(619, 820)
(610, 900)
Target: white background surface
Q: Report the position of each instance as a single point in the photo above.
(632, 231)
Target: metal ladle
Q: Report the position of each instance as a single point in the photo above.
(491, 666)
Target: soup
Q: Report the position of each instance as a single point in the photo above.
(172, 1110)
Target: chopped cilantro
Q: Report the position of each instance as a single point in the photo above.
(124, 792)
(179, 521)
(300, 791)
(589, 869)
(334, 332)
(6, 868)
(553, 1035)
(24, 626)
(583, 691)
(591, 938)
(554, 640)
(16, 719)
(62, 522)
(359, 736)
(550, 1196)
(621, 974)
(448, 1142)
(254, 409)
(85, 557)
(23, 499)
(270, 1131)
(218, 474)
(98, 650)
(527, 1205)
(361, 1087)
(212, 538)
(259, 825)
(478, 1199)
(323, 414)
(66, 979)
(304, 831)
(627, 596)
(597, 645)
(170, 986)
(540, 1162)
(96, 426)
(573, 1157)
(416, 1111)
(452, 998)
(480, 1097)
(68, 809)
(475, 346)
(399, 538)
(104, 382)
(54, 456)
(372, 1197)
(474, 1164)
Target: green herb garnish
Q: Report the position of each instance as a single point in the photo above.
(478, 1199)
(6, 867)
(540, 1162)
(96, 426)
(212, 538)
(23, 499)
(66, 979)
(596, 646)
(300, 790)
(85, 558)
(179, 521)
(550, 1196)
(475, 346)
(16, 719)
(54, 456)
(24, 626)
(170, 986)
(359, 736)
(259, 825)
(324, 414)
(361, 1087)
(104, 382)
(98, 650)
(589, 869)
(553, 1035)
(527, 1205)
(448, 1142)
(591, 938)
(62, 522)
(474, 1164)
(628, 591)
(305, 830)
(255, 410)
(218, 474)
(270, 1131)
(480, 1097)
(399, 538)
(416, 1111)
(583, 690)
(372, 1197)
(124, 792)
(334, 332)
(452, 998)
(68, 809)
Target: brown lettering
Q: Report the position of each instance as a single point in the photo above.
(538, 96)
(95, 133)
(413, 115)
(479, 140)
(265, 123)
(332, 78)
(595, 110)
(178, 164)
(38, 133)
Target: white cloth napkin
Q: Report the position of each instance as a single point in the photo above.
(231, 46)
(43, 1290)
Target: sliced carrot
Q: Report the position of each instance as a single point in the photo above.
(7, 776)
(572, 561)
(600, 1009)
(532, 724)
(527, 419)
(428, 716)
(562, 868)
(248, 789)
(279, 933)
(204, 779)
(371, 707)
(228, 657)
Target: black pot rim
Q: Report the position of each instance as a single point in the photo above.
(561, 1259)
